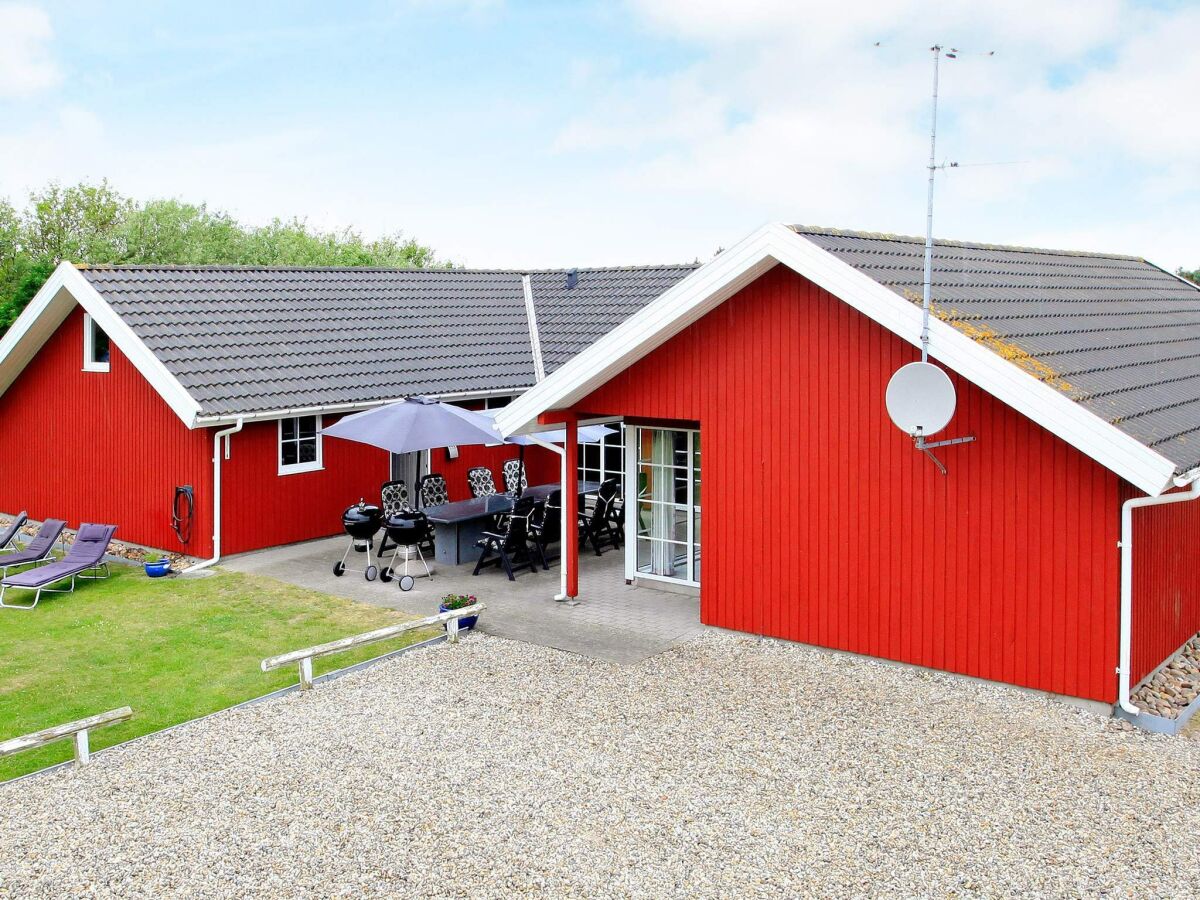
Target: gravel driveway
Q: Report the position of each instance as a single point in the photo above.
(726, 767)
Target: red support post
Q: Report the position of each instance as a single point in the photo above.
(570, 543)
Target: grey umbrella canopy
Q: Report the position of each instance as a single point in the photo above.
(418, 423)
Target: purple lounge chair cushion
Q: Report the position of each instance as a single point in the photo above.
(37, 548)
(11, 531)
(87, 551)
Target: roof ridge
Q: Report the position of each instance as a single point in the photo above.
(968, 245)
(141, 267)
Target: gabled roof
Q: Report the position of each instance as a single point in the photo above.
(229, 341)
(1092, 347)
(1116, 334)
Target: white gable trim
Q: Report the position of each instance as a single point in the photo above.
(65, 288)
(717, 280)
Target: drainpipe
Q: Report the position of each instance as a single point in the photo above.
(1125, 668)
(564, 531)
(216, 489)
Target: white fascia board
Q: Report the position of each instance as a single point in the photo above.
(65, 288)
(719, 279)
(681, 305)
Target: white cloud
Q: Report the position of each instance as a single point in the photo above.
(26, 65)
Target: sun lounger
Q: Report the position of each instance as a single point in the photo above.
(85, 556)
(8, 540)
(38, 550)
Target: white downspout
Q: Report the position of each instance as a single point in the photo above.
(563, 532)
(1124, 670)
(216, 489)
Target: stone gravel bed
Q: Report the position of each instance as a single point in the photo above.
(726, 767)
(1174, 686)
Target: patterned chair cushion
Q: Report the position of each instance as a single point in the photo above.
(394, 498)
(514, 473)
(481, 482)
(434, 491)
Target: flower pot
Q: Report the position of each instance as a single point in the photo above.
(158, 569)
(466, 623)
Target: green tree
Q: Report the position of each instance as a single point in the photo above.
(94, 224)
(1190, 276)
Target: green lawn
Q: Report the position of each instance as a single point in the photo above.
(170, 648)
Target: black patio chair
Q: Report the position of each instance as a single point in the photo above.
(432, 490)
(481, 481)
(8, 540)
(39, 550)
(547, 526)
(597, 526)
(85, 556)
(513, 546)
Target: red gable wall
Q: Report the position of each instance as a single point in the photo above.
(99, 447)
(823, 525)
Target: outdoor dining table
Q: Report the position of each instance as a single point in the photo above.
(458, 525)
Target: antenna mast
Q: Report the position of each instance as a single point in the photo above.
(926, 288)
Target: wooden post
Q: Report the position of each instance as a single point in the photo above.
(82, 751)
(452, 630)
(306, 674)
(570, 540)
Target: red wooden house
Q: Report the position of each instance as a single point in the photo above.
(752, 394)
(121, 385)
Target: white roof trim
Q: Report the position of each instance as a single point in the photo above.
(535, 340)
(723, 276)
(65, 288)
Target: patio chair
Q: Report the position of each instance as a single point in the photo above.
(597, 526)
(547, 526)
(85, 556)
(8, 540)
(481, 482)
(39, 550)
(394, 500)
(515, 480)
(432, 490)
(513, 545)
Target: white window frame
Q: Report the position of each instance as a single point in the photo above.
(296, 468)
(89, 346)
(632, 442)
(602, 445)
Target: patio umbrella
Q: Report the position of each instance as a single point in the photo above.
(418, 423)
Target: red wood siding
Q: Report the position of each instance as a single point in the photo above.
(1166, 580)
(99, 447)
(823, 525)
(265, 509)
(262, 508)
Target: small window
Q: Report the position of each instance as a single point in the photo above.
(95, 346)
(299, 444)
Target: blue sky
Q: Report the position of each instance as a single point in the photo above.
(536, 133)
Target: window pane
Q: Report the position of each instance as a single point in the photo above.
(696, 528)
(99, 344)
(613, 460)
(308, 450)
(308, 426)
(289, 429)
(591, 456)
(287, 453)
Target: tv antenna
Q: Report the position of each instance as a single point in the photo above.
(920, 396)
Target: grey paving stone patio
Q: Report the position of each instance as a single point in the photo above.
(613, 621)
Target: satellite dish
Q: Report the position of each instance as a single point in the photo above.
(920, 399)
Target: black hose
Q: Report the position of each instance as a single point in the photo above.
(181, 518)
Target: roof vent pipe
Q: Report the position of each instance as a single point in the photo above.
(572, 278)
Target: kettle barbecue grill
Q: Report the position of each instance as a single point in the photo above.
(406, 530)
(362, 522)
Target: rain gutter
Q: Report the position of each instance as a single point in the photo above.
(1125, 667)
(216, 491)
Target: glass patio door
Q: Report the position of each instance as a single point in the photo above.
(665, 539)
